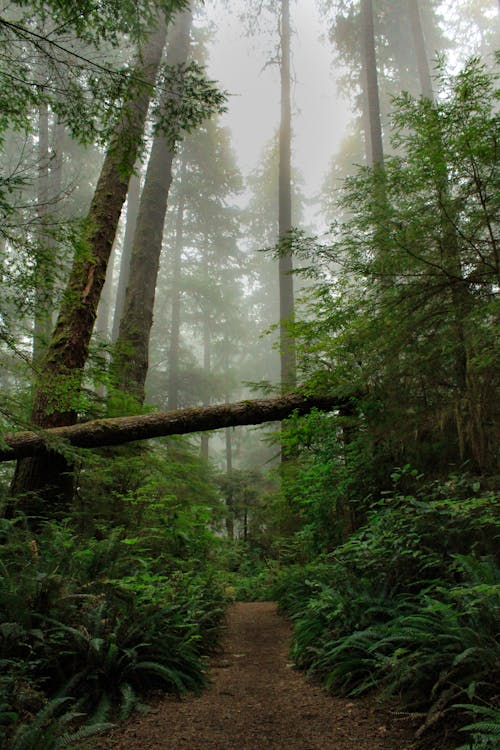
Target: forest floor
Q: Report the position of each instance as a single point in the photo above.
(257, 700)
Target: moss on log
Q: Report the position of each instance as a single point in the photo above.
(118, 430)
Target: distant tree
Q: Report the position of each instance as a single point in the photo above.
(421, 52)
(203, 273)
(263, 233)
(287, 303)
(173, 384)
(373, 138)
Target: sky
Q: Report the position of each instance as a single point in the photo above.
(319, 118)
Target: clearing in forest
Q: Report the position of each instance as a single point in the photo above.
(257, 700)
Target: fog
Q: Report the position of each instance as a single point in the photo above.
(240, 62)
(191, 311)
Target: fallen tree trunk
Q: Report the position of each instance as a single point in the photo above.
(118, 430)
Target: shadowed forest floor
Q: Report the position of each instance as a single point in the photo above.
(257, 700)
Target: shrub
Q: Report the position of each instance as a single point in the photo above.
(409, 604)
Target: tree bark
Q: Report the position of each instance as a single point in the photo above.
(102, 322)
(62, 366)
(131, 360)
(287, 342)
(119, 430)
(133, 199)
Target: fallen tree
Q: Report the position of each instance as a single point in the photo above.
(118, 430)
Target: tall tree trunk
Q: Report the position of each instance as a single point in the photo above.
(62, 367)
(375, 149)
(424, 71)
(131, 358)
(50, 166)
(287, 343)
(133, 199)
(175, 324)
(207, 363)
(42, 322)
(229, 477)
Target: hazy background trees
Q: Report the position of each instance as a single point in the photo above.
(325, 211)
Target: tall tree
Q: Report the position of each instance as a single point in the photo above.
(374, 144)
(132, 346)
(201, 278)
(287, 345)
(42, 323)
(62, 370)
(424, 73)
(173, 383)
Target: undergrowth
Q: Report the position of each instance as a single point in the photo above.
(90, 626)
(409, 605)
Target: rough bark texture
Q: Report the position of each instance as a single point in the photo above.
(68, 349)
(131, 361)
(287, 343)
(118, 430)
(63, 363)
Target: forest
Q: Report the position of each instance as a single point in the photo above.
(249, 268)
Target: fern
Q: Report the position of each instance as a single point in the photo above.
(485, 732)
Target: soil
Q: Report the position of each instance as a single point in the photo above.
(257, 700)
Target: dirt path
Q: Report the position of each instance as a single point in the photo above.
(257, 701)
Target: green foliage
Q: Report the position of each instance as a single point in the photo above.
(249, 577)
(409, 603)
(484, 730)
(48, 730)
(103, 608)
(405, 308)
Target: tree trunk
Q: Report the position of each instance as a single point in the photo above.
(207, 359)
(375, 149)
(102, 323)
(133, 199)
(175, 324)
(424, 72)
(119, 430)
(229, 475)
(49, 193)
(62, 367)
(287, 342)
(131, 358)
(42, 323)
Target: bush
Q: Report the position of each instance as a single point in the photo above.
(409, 604)
(95, 625)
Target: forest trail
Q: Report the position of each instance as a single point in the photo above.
(257, 700)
